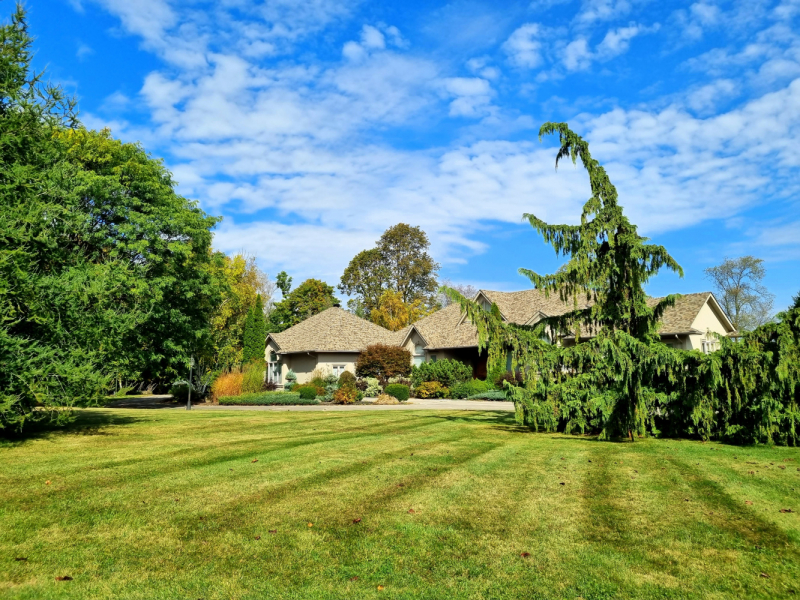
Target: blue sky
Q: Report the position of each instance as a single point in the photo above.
(313, 126)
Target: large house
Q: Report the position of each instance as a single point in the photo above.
(332, 339)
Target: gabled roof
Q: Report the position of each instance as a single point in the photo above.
(332, 330)
(680, 318)
(446, 329)
(521, 307)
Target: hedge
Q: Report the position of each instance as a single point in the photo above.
(267, 398)
(489, 395)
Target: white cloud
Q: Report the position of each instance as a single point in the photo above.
(83, 51)
(602, 10)
(524, 47)
(706, 98)
(372, 37)
(275, 142)
(617, 41)
(577, 55)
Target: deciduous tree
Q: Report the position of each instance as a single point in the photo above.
(309, 298)
(394, 314)
(104, 270)
(400, 262)
(744, 298)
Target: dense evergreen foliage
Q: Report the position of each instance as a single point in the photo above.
(622, 380)
(255, 333)
(447, 371)
(104, 269)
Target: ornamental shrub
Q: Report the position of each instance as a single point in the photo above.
(307, 392)
(383, 361)
(345, 395)
(469, 388)
(372, 387)
(347, 379)
(431, 389)
(398, 390)
(514, 379)
(308, 389)
(448, 372)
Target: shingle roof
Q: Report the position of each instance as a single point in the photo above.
(679, 318)
(332, 330)
(521, 307)
(445, 328)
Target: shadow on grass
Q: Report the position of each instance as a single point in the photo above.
(86, 422)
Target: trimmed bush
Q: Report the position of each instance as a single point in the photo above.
(307, 392)
(383, 361)
(448, 372)
(266, 399)
(431, 389)
(468, 388)
(316, 390)
(345, 395)
(347, 379)
(398, 390)
(489, 395)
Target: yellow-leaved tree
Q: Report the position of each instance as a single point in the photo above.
(243, 282)
(394, 314)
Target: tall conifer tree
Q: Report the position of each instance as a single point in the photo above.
(255, 333)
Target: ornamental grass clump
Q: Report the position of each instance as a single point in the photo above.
(253, 377)
(227, 384)
(386, 399)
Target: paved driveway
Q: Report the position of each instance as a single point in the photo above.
(164, 402)
(413, 404)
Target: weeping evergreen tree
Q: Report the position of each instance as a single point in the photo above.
(255, 333)
(618, 379)
(605, 382)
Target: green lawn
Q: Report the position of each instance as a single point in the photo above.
(168, 504)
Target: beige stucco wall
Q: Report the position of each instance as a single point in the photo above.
(412, 342)
(706, 320)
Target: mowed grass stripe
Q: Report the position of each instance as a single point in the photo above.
(483, 491)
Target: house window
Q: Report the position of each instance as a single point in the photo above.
(274, 370)
(338, 370)
(434, 358)
(419, 355)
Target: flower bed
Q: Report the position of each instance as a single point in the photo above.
(267, 398)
